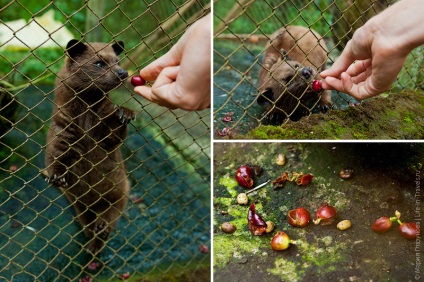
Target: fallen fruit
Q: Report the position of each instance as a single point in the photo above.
(408, 230)
(256, 224)
(228, 227)
(137, 80)
(344, 224)
(382, 225)
(305, 179)
(93, 265)
(299, 217)
(281, 159)
(269, 226)
(125, 276)
(346, 173)
(226, 119)
(281, 180)
(325, 214)
(281, 241)
(203, 249)
(317, 85)
(85, 279)
(244, 176)
(242, 199)
(223, 132)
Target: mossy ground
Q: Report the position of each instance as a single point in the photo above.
(383, 182)
(397, 116)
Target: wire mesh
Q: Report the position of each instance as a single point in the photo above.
(163, 233)
(250, 60)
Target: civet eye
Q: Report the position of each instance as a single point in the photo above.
(100, 64)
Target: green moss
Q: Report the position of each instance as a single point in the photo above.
(230, 183)
(326, 257)
(408, 119)
(277, 132)
(286, 270)
(228, 246)
(377, 118)
(333, 129)
(226, 202)
(239, 214)
(260, 134)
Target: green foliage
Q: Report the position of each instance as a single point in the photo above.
(268, 16)
(132, 22)
(26, 65)
(26, 9)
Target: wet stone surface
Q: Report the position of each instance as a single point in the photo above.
(384, 181)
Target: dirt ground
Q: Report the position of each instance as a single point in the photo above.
(386, 178)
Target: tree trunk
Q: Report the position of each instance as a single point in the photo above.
(94, 17)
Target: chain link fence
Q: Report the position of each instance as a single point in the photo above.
(163, 232)
(258, 55)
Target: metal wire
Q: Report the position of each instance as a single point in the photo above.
(242, 30)
(164, 230)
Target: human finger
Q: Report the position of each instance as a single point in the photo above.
(144, 91)
(160, 91)
(359, 91)
(165, 89)
(359, 67)
(343, 84)
(361, 72)
(332, 83)
(171, 58)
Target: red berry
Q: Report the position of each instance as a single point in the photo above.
(256, 224)
(408, 230)
(244, 176)
(382, 225)
(203, 249)
(224, 131)
(226, 119)
(93, 265)
(306, 179)
(299, 217)
(281, 241)
(137, 80)
(317, 85)
(325, 214)
(125, 275)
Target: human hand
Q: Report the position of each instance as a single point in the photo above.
(377, 51)
(182, 76)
